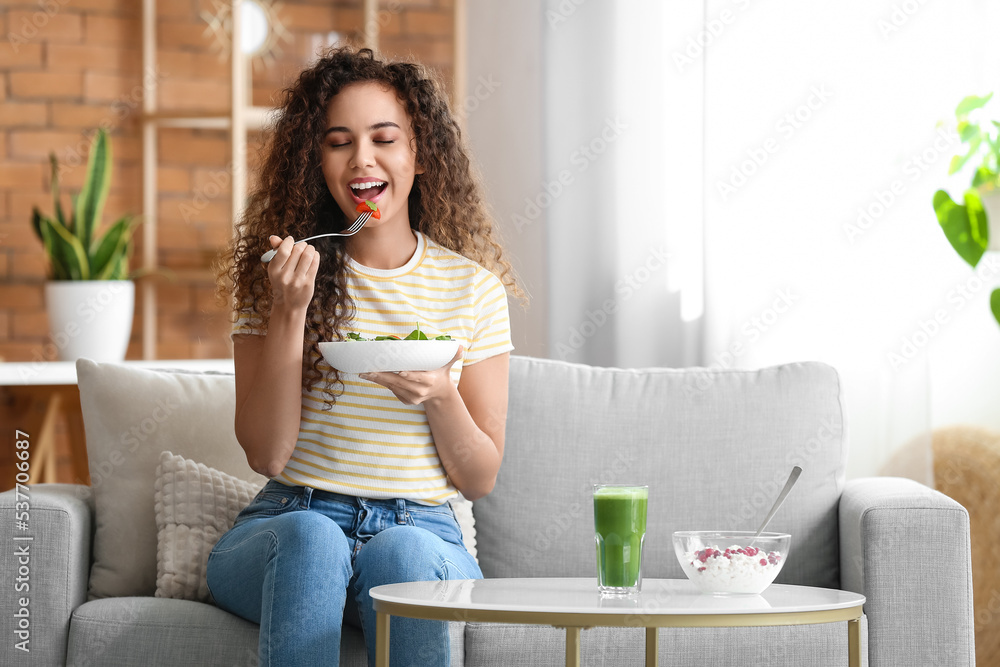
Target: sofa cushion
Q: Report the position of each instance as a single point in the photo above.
(195, 506)
(714, 446)
(154, 632)
(130, 416)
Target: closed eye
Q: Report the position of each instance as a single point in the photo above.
(348, 143)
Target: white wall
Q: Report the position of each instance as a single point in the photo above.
(504, 125)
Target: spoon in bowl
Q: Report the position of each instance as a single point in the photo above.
(792, 478)
(350, 231)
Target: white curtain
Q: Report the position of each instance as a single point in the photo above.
(623, 140)
(822, 153)
(736, 184)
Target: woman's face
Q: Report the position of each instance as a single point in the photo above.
(369, 152)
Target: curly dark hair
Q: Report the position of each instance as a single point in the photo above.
(292, 197)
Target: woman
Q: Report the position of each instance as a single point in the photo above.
(361, 468)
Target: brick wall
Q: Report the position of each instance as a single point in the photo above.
(70, 66)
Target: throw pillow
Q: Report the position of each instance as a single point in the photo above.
(463, 514)
(195, 505)
(130, 416)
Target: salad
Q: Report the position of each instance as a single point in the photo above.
(416, 334)
(367, 205)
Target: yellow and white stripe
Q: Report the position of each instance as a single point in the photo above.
(370, 444)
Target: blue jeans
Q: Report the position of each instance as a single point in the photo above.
(296, 555)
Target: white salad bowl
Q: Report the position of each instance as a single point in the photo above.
(374, 356)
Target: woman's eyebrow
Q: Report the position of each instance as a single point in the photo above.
(371, 128)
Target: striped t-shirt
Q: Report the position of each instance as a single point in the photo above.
(371, 444)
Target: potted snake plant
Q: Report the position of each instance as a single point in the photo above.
(89, 297)
(973, 227)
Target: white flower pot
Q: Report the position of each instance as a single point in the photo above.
(90, 318)
(991, 204)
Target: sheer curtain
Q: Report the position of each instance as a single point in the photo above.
(822, 153)
(734, 183)
(623, 138)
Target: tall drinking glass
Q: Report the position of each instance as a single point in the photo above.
(619, 531)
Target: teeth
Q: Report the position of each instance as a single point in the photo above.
(365, 186)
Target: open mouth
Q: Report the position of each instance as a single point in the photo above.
(370, 190)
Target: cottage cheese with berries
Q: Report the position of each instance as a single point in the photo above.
(733, 570)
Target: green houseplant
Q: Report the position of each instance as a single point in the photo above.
(89, 296)
(75, 250)
(967, 225)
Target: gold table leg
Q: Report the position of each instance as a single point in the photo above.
(45, 455)
(382, 640)
(854, 642)
(572, 647)
(652, 647)
(41, 411)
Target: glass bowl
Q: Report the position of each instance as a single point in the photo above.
(724, 563)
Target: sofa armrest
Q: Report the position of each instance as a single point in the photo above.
(49, 572)
(907, 549)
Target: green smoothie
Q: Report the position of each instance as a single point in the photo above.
(619, 526)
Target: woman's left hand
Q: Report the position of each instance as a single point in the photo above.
(417, 387)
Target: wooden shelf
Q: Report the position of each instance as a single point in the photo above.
(242, 117)
(257, 118)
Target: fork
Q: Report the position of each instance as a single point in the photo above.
(350, 231)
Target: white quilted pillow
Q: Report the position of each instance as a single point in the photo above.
(195, 505)
(467, 522)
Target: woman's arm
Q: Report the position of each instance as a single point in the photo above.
(468, 422)
(269, 367)
(469, 427)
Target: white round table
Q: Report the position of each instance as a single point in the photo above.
(575, 604)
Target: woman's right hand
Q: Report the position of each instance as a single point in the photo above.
(292, 272)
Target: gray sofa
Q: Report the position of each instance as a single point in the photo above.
(714, 446)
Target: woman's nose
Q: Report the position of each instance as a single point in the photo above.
(364, 155)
